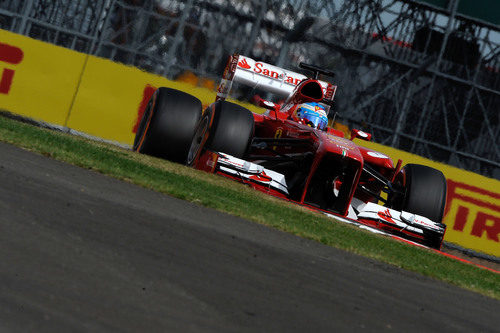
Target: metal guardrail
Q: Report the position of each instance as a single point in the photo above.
(422, 79)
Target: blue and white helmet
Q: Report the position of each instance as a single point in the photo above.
(312, 114)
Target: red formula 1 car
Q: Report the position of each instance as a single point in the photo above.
(289, 151)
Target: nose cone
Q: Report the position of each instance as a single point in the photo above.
(341, 146)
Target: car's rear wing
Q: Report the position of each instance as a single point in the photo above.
(267, 77)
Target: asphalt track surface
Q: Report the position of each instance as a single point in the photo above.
(80, 251)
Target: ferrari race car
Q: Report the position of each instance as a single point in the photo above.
(290, 152)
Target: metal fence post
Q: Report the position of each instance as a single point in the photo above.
(178, 37)
(101, 24)
(256, 28)
(406, 103)
(453, 5)
(103, 29)
(25, 16)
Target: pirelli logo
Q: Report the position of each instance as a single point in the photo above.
(473, 217)
(9, 55)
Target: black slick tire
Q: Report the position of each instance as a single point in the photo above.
(168, 124)
(425, 191)
(232, 129)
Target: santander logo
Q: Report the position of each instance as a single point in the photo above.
(386, 216)
(262, 177)
(244, 64)
(424, 223)
(260, 68)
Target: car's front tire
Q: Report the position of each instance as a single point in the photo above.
(423, 193)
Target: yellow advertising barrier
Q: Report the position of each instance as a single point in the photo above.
(38, 80)
(112, 97)
(105, 99)
(109, 99)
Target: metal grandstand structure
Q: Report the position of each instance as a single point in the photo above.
(421, 78)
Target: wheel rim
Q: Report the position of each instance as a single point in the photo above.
(198, 141)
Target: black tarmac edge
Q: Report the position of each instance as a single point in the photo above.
(80, 251)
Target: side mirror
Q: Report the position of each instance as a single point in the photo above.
(266, 104)
(355, 133)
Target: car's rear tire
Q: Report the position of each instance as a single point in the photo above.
(232, 129)
(424, 191)
(168, 124)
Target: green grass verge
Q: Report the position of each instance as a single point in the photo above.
(228, 196)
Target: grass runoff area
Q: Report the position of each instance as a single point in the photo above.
(236, 199)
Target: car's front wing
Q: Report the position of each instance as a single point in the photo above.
(400, 223)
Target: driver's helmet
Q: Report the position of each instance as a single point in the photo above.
(312, 114)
